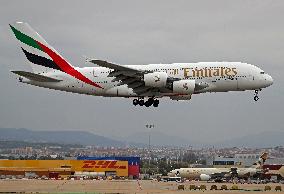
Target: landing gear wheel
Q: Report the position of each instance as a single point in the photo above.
(141, 102)
(135, 102)
(149, 102)
(256, 98)
(156, 103)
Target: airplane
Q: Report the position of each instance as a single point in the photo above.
(145, 84)
(274, 170)
(205, 174)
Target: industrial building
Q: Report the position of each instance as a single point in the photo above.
(240, 160)
(273, 166)
(63, 168)
(133, 163)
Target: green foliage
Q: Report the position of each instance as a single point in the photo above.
(164, 165)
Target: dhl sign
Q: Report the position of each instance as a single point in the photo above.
(120, 167)
(87, 164)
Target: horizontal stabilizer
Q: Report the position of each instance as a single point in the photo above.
(35, 77)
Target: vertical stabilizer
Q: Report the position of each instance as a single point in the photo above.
(259, 163)
(37, 50)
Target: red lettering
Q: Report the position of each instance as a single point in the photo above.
(112, 164)
(105, 164)
(102, 164)
(89, 164)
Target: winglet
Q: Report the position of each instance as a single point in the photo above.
(87, 59)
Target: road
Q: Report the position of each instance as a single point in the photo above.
(117, 186)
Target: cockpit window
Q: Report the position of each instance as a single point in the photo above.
(262, 72)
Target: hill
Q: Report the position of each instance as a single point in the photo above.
(65, 137)
(263, 139)
(160, 139)
(140, 139)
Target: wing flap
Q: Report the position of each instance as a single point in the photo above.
(35, 77)
(127, 75)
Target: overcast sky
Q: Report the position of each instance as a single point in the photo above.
(142, 32)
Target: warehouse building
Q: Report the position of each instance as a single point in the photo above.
(241, 160)
(133, 163)
(63, 168)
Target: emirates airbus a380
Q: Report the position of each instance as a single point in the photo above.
(144, 83)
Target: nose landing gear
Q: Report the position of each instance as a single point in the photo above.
(256, 97)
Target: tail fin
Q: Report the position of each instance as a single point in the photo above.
(41, 56)
(259, 163)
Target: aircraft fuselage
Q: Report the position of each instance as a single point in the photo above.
(219, 76)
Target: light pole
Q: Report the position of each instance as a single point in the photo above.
(149, 127)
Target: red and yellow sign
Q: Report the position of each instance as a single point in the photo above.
(120, 167)
(102, 164)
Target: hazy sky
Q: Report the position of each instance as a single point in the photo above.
(141, 32)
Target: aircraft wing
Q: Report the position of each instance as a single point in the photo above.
(134, 77)
(126, 75)
(110, 65)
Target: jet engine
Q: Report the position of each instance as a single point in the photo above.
(234, 172)
(156, 79)
(180, 97)
(184, 87)
(204, 177)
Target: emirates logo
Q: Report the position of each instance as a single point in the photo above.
(157, 78)
(185, 86)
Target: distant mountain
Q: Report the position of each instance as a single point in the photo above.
(141, 139)
(160, 139)
(64, 137)
(263, 139)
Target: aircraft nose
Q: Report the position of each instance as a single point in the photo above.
(269, 80)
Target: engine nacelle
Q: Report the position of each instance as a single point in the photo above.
(181, 97)
(184, 87)
(204, 177)
(156, 79)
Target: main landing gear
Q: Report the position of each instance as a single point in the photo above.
(256, 97)
(148, 103)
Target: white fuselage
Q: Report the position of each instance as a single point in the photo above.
(219, 76)
(196, 173)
